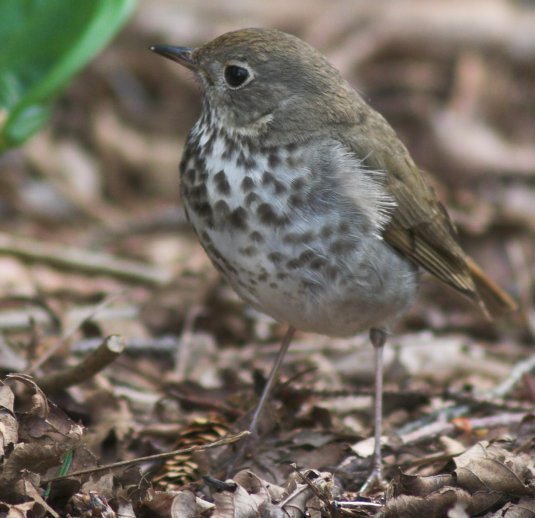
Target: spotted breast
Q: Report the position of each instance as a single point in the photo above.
(287, 228)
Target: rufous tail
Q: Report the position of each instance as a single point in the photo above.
(493, 300)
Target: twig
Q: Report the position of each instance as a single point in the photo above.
(437, 422)
(517, 373)
(82, 260)
(69, 333)
(159, 456)
(183, 353)
(136, 345)
(108, 351)
(38, 301)
(20, 319)
(494, 404)
(444, 428)
(340, 504)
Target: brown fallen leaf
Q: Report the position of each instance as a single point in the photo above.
(177, 504)
(9, 428)
(236, 502)
(437, 504)
(491, 468)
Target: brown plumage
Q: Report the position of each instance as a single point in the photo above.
(420, 227)
(306, 200)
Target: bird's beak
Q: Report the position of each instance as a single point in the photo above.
(182, 55)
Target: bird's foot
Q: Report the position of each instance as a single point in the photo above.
(375, 481)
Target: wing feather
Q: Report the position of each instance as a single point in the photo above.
(419, 227)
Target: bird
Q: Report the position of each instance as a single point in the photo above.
(308, 203)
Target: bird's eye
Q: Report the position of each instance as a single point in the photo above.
(236, 76)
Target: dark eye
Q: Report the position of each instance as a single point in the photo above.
(235, 76)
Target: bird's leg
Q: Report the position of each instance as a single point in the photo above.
(266, 394)
(378, 339)
(273, 375)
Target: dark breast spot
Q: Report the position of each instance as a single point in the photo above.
(250, 163)
(344, 227)
(230, 149)
(267, 178)
(247, 184)
(280, 188)
(209, 145)
(199, 162)
(221, 209)
(251, 198)
(291, 147)
(263, 276)
(269, 217)
(221, 183)
(274, 159)
(245, 161)
(296, 201)
(248, 251)
(326, 232)
(256, 237)
(198, 193)
(292, 264)
(318, 263)
(190, 175)
(298, 237)
(294, 161)
(203, 210)
(276, 257)
(238, 218)
(342, 246)
(299, 184)
(304, 258)
(270, 179)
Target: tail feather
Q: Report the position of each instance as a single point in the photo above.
(493, 300)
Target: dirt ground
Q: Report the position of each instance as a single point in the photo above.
(98, 265)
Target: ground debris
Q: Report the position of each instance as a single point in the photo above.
(94, 244)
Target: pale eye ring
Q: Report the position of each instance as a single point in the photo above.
(237, 76)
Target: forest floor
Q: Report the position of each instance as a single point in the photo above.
(98, 265)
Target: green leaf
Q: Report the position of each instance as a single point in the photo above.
(44, 43)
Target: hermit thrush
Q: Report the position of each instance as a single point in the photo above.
(305, 199)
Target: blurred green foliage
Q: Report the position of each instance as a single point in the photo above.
(44, 43)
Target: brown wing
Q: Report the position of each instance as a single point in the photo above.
(420, 228)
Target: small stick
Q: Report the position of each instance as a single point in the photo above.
(106, 353)
(517, 373)
(82, 260)
(159, 456)
(445, 428)
(69, 333)
(439, 419)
